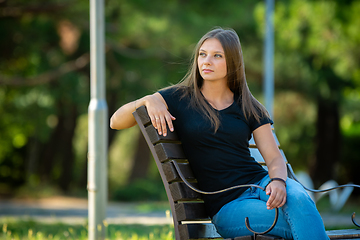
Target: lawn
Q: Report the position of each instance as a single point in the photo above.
(31, 230)
(11, 229)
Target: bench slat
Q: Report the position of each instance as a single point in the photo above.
(259, 237)
(191, 211)
(143, 115)
(172, 175)
(198, 231)
(245, 238)
(344, 234)
(255, 153)
(283, 155)
(181, 192)
(168, 151)
(156, 138)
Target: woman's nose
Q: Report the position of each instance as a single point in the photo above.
(207, 61)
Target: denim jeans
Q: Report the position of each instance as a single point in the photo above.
(298, 218)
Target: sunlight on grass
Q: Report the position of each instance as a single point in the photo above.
(30, 230)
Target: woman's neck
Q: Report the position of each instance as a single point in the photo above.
(218, 95)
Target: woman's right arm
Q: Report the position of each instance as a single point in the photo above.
(157, 110)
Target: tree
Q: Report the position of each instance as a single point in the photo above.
(44, 72)
(319, 44)
(41, 77)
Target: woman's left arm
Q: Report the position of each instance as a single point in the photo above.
(268, 148)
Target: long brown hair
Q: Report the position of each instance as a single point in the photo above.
(192, 82)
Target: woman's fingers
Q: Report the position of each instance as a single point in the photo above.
(163, 127)
(283, 202)
(159, 122)
(169, 118)
(277, 201)
(271, 201)
(277, 196)
(159, 114)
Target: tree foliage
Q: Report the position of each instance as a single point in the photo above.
(317, 56)
(44, 73)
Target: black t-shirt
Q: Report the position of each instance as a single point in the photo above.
(219, 160)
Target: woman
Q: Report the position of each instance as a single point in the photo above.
(215, 114)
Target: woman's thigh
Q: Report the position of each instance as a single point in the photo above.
(301, 213)
(230, 220)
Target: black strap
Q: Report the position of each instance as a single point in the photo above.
(275, 179)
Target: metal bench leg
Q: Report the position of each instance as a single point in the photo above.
(262, 233)
(353, 220)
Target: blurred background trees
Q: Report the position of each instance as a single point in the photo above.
(44, 84)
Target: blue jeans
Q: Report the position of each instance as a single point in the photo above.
(298, 218)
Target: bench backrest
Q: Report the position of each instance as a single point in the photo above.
(187, 206)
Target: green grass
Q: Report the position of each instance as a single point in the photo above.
(31, 230)
(11, 229)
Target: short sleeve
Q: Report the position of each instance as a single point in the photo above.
(254, 124)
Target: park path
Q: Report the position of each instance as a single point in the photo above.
(74, 211)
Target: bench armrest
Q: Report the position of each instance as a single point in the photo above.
(247, 223)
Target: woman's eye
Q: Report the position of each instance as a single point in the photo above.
(202, 54)
(218, 55)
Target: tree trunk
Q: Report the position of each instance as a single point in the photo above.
(327, 142)
(50, 151)
(32, 158)
(141, 160)
(59, 147)
(66, 150)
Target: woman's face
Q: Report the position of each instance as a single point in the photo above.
(211, 61)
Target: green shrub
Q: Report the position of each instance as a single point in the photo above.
(140, 190)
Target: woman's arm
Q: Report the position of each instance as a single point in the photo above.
(157, 110)
(268, 148)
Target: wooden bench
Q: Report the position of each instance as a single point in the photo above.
(187, 206)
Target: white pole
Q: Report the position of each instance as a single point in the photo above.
(269, 58)
(98, 125)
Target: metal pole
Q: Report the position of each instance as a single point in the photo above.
(98, 125)
(269, 58)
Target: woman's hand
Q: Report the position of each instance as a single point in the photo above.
(159, 114)
(277, 191)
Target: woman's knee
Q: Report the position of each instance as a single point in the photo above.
(259, 221)
(297, 194)
(230, 220)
